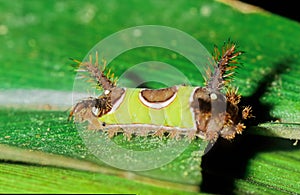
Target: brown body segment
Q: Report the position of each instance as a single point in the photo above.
(217, 114)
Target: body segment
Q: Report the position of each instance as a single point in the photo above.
(137, 110)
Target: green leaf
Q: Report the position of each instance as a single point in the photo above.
(42, 152)
(57, 139)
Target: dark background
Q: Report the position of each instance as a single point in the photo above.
(286, 9)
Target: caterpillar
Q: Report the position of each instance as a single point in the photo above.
(176, 111)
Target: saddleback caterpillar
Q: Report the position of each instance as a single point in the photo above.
(190, 111)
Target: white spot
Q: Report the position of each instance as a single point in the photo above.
(213, 96)
(95, 111)
(106, 92)
(205, 11)
(137, 33)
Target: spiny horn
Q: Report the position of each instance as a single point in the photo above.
(96, 73)
(224, 68)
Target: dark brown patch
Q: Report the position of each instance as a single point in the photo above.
(202, 109)
(158, 95)
(116, 94)
(208, 123)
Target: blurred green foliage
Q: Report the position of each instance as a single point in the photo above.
(38, 38)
